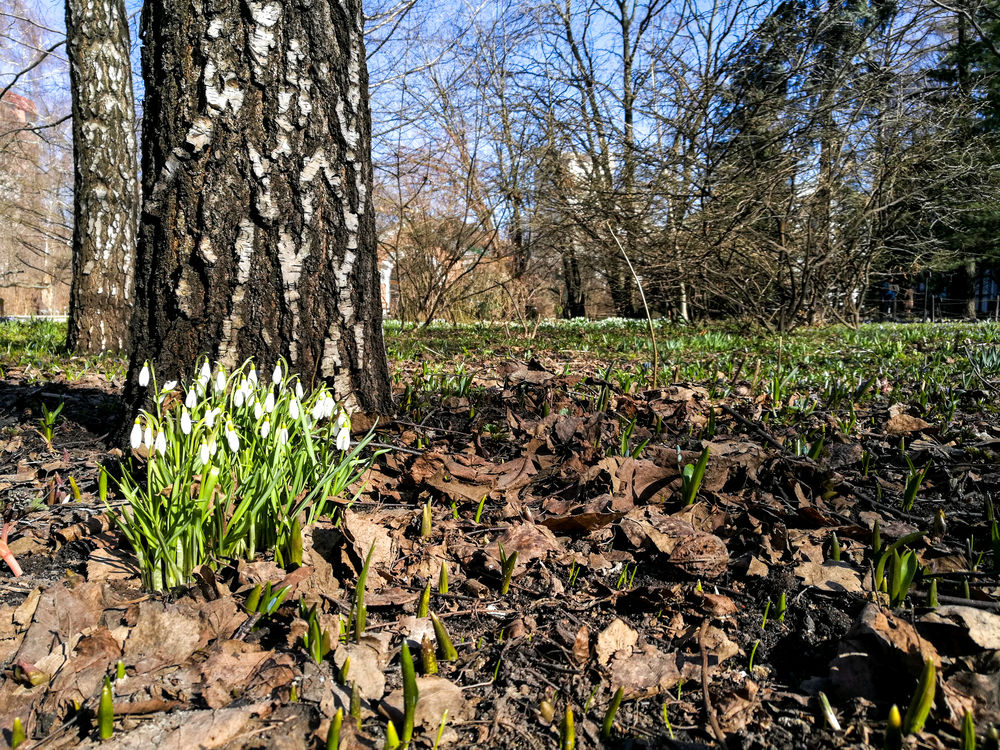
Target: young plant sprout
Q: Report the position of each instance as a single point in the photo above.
(507, 565)
(609, 716)
(446, 650)
(410, 694)
(692, 476)
(923, 699)
(333, 733)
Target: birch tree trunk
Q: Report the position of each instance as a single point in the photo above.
(257, 237)
(106, 194)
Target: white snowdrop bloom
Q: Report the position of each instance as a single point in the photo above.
(258, 410)
(186, 422)
(210, 417)
(331, 406)
(276, 376)
(135, 437)
(265, 429)
(206, 372)
(319, 408)
(161, 443)
(269, 402)
(293, 408)
(204, 454)
(168, 386)
(283, 436)
(343, 432)
(212, 446)
(252, 377)
(239, 397)
(144, 375)
(191, 400)
(232, 438)
(299, 393)
(343, 420)
(220, 381)
(147, 437)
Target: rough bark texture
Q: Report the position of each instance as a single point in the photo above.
(106, 200)
(257, 237)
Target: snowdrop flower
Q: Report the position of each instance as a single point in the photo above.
(210, 417)
(168, 386)
(319, 409)
(344, 431)
(293, 408)
(135, 438)
(161, 443)
(252, 377)
(276, 376)
(144, 375)
(147, 437)
(186, 422)
(265, 428)
(220, 381)
(283, 436)
(232, 438)
(206, 372)
(192, 399)
(298, 390)
(212, 447)
(239, 397)
(204, 454)
(269, 401)
(258, 410)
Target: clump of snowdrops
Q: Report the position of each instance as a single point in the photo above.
(236, 466)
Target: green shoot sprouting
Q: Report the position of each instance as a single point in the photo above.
(923, 699)
(507, 565)
(359, 613)
(692, 476)
(426, 521)
(443, 578)
(424, 603)
(567, 731)
(479, 510)
(333, 733)
(782, 606)
(410, 694)
(828, 715)
(446, 650)
(441, 726)
(49, 417)
(894, 730)
(968, 732)
(914, 479)
(106, 711)
(17, 735)
(609, 716)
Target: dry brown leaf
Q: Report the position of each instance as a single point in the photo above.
(365, 668)
(830, 576)
(616, 638)
(437, 695)
(904, 424)
(645, 672)
(229, 667)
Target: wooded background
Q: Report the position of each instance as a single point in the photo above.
(786, 163)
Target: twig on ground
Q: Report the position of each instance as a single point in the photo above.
(712, 718)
